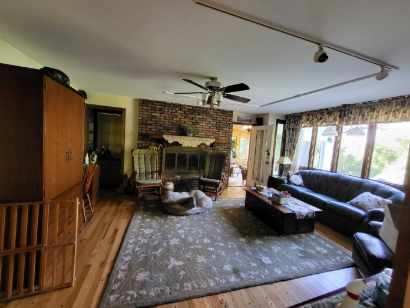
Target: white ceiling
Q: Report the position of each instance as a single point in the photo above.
(141, 48)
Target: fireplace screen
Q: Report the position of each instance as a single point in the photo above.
(185, 161)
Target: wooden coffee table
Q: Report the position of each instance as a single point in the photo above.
(280, 218)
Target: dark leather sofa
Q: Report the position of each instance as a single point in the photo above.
(331, 191)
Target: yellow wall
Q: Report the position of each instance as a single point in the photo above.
(238, 133)
(131, 121)
(10, 55)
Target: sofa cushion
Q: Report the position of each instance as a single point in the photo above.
(368, 201)
(326, 202)
(296, 179)
(373, 251)
(294, 189)
(340, 216)
(347, 210)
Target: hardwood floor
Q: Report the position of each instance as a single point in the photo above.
(97, 250)
(99, 244)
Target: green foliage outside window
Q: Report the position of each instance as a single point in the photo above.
(349, 164)
(381, 158)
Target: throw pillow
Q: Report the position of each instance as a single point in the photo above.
(388, 232)
(367, 201)
(296, 179)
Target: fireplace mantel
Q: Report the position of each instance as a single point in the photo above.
(187, 141)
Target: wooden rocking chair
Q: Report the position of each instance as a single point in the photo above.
(147, 175)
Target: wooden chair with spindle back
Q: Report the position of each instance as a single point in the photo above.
(88, 187)
(147, 170)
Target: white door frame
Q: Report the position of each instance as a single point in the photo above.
(260, 174)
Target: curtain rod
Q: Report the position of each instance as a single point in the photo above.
(278, 28)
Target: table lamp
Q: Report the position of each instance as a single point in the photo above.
(284, 163)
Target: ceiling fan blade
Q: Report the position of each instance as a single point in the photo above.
(194, 83)
(178, 93)
(235, 88)
(237, 98)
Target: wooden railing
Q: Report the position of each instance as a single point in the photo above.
(38, 247)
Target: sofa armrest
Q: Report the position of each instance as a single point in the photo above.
(373, 228)
(375, 215)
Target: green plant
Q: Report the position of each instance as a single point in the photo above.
(187, 130)
(233, 148)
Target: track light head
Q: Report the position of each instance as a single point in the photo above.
(384, 72)
(320, 55)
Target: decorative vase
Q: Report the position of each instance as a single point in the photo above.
(352, 297)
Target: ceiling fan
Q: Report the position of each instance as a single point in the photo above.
(213, 92)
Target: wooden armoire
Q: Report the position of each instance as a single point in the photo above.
(41, 169)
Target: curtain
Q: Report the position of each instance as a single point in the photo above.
(295, 160)
(395, 109)
(323, 117)
(292, 131)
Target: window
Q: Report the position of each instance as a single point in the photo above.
(303, 147)
(280, 127)
(325, 142)
(390, 152)
(352, 149)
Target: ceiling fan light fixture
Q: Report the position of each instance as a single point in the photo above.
(320, 55)
(218, 98)
(210, 100)
(204, 99)
(384, 73)
(214, 94)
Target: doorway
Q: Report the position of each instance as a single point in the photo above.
(279, 147)
(260, 157)
(106, 136)
(241, 135)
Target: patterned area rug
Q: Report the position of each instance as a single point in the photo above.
(167, 258)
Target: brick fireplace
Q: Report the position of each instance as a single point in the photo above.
(156, 119)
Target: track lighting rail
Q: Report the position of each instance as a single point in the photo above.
(322, 89)
(278, 28)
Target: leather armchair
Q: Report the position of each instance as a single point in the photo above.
(373, 228)
(375, 215)
(372, 222)
(370, 253)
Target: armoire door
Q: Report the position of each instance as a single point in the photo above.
(63, 138)
(76, 138)
(73, 124)
(55, 136)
